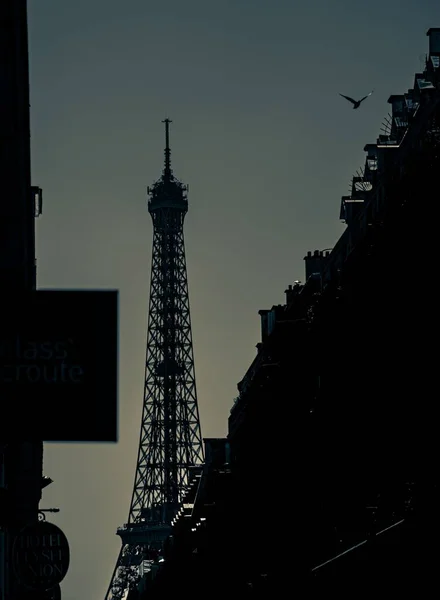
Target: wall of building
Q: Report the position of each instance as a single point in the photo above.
(21, 465)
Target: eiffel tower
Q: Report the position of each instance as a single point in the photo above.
(170, 438)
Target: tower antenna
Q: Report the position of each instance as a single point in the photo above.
(167, 171)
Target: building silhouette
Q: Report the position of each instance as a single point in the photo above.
(21, 460)
(327, 480)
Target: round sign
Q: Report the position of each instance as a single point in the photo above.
(41, 556)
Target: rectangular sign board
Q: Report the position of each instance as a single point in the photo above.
(59, 366)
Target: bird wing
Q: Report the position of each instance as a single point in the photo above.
(348, 98)
(365, 97)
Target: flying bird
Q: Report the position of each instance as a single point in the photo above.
(356, 103)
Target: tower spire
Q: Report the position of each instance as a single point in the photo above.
(167, 170)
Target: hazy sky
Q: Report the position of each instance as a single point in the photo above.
(267, 147)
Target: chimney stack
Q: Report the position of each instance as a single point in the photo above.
(292, 291)
(216, 452)
(434, 41)
(264, 324)
(315, 263)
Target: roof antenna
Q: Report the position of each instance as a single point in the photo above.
(167, 170)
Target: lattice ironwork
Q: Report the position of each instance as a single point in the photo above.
(170, 438)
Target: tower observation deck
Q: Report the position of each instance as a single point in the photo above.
(170, 438)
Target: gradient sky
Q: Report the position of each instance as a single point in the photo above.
(267, 147)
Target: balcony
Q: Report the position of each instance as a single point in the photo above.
(144, 533)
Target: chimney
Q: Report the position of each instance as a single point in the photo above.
(216, 452)
(292, 291)
(434, 41)
(264, 324)
(314, 263)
